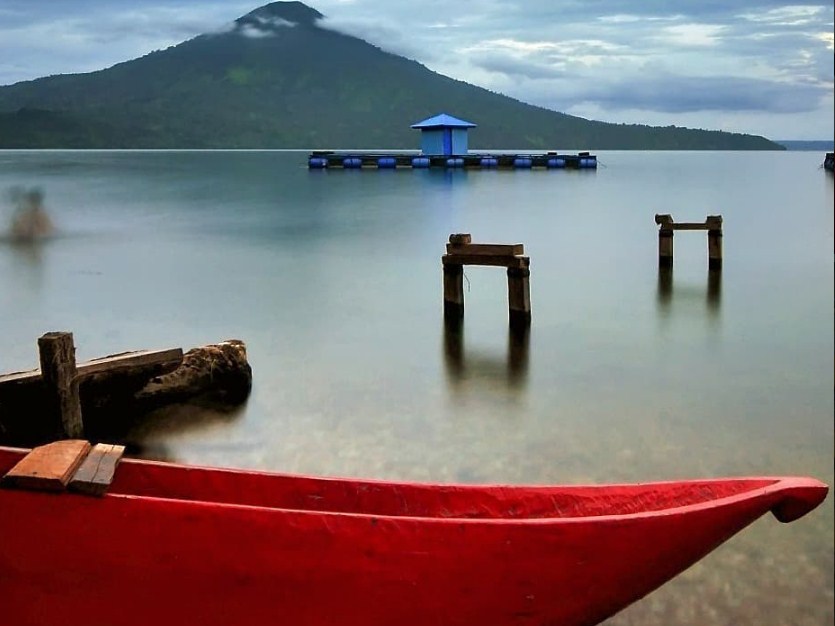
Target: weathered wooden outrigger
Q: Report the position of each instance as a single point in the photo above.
(63, 399)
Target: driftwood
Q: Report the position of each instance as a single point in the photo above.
(115, 391)
(220, 370)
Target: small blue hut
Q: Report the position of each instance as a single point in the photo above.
(443, 135)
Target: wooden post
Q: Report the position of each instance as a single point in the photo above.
(453, 292)
(665, 239)
(714, 242)
(519, 296)
(57, 356)
(454, 283)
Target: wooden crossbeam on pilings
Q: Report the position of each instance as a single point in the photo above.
(461, 251)
(667, 226)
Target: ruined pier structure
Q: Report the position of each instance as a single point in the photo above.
(713, 226)
(460, 251)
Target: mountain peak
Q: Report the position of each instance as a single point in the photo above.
(276, 15)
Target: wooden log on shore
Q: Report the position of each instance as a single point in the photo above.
(219, 370)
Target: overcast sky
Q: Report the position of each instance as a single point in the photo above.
(755, 66)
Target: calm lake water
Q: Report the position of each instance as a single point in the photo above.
(333, 280)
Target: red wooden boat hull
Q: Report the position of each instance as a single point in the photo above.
(178, 544)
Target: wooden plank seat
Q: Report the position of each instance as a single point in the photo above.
(68, 464)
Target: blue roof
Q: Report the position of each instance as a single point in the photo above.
(443, 121)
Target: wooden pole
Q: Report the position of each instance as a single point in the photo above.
(57, 357)
(519, 296)
(453, 292)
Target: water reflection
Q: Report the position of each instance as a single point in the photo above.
(146, 435)
(665, 292)
(511, 370)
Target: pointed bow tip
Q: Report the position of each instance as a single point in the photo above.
(799, 496)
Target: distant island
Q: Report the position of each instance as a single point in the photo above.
(276, 79)
(807, 145)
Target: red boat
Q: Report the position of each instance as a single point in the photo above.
(175, 544)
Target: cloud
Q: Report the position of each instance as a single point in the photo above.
(685, 35)
(692, 94)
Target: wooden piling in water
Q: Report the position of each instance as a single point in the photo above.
(453, 292)
(714, 242)
(57, 359)
(519, 296)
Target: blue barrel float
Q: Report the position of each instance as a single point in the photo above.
(352, 162)
(316, 162)
(387, 162)
(455, 162)
(489, 161)
(420, 161)
(522, 162)
(587, 162)
(555, 162)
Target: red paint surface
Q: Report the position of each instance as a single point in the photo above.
(177, 544)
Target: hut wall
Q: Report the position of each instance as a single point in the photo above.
(459, 141)
(432, 141)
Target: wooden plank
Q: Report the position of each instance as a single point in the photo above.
(169, 360)
(161, 361)
(689, 226)
(48, 467)
(96, 472)
(20, 378)
(514, 249)
(479, 259)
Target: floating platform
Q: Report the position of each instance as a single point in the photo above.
(325, 159)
